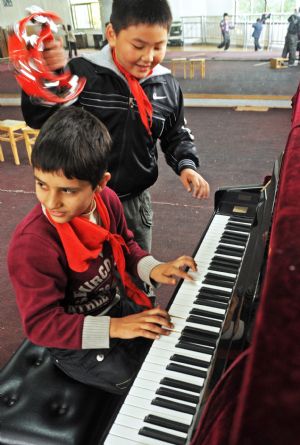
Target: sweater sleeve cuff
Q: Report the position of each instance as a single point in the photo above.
(186, 163)
(95, 334)
(144, 267)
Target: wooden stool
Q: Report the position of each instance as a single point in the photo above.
(9, 132)
(193, 62)
(278, 63)
(179, 60)
(30, 135)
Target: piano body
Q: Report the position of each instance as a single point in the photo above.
(229, 374)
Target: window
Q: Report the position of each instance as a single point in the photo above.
(85, 14)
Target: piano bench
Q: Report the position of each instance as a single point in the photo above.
(40, 405)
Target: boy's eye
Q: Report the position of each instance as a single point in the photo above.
(69, 191)
(137, 46)
(40, 184)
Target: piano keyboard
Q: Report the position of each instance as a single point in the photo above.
(160, 406)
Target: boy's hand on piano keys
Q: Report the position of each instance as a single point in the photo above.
(194, 183)
(150, 324)
(165, 273)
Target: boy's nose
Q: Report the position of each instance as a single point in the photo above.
(52, 201)
(148, 55)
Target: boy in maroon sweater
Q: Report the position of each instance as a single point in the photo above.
(70, 258)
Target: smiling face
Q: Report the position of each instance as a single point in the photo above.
(65, 198)
(139, 48)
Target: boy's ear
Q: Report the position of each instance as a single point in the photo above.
(105, 178)
(110, 35)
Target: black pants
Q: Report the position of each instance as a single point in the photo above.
(72, 47)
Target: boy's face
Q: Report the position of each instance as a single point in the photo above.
(64, 198)
(139, 48)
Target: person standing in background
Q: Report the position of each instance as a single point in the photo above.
(225, 26)
(256, 33)
(71, 41)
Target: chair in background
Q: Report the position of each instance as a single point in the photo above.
(177, 62)
(193, 63)
(11, 131)
(30, 135)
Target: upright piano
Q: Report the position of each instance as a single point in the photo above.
(229, 373)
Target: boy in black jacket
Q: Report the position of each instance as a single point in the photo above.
(139, 101)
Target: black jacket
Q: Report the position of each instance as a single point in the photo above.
(133, 160)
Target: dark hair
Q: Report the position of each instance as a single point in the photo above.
(74, 141)
(69, 27)
(225, 14)
(126, 13)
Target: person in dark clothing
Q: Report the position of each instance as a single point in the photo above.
(70, 257)
(291, 40)
(256, 33)
(139, 101)
(225, 26)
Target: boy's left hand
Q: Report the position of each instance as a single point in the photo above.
(164, 273)
(193, 182)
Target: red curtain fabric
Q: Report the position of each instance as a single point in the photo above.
(257, 401)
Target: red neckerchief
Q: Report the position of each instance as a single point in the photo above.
(83, 241)
(143, 103)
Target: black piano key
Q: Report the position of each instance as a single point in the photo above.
(196, 338)
(230, 262)
(211, 291)
(212, 275)
(200, 331)
(192, 347)
(185, 386)
(219, 298)
(221, 266)
(239, 236)
(210, 303)
(210, 314)
(227, 240)
(245, 219)
(160, 435)
(179, 395)
(176, 406)
(204, 320)
(214, 265)
(186, 370)
(238, 227)
(166, 423)
(189, 360)
(218, 282)
(229, 251)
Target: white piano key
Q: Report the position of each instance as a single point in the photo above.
(116, 440)
(182, 310)
(162, 350)
(157, 377)
(157, 359)
(146, 404)
(153, 386)
(131, 422)
(161, 372)
(222, 274)
(146, 394)
(179, 324)
(142, 412)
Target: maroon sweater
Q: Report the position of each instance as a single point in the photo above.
(53, 299)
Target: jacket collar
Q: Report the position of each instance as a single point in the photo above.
(103, 59)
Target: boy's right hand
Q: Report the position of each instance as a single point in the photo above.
(54, 54)
(149, 324)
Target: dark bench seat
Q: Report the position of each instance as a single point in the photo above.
(39, 405)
